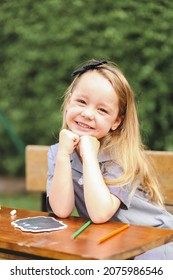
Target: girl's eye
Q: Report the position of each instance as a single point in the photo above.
(81, 101)
(103, 110)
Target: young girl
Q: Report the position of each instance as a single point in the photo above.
(99, 164)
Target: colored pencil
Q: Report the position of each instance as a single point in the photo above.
(109, 235)
(76, 233)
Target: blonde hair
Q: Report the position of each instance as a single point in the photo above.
(124, 143)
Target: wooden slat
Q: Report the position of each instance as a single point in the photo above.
(163, 163)
(36, 167)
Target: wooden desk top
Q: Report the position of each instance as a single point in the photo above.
(58, 244)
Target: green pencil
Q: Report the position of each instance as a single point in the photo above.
(76, 233)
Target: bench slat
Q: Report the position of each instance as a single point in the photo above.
(36, 167)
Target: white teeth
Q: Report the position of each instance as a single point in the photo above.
(83, 125)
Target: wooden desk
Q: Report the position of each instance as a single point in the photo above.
(15, 244)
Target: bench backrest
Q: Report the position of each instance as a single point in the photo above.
(37, 166)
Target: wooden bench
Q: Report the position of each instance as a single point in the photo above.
(37, 165)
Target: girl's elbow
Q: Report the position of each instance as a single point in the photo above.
(99, 219)
(61, 214)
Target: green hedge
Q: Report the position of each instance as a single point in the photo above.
(43, 41)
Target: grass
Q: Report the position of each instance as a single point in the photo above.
(21, 200)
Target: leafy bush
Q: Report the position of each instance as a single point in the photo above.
(43, 41)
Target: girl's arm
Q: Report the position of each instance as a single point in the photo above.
(61, 196)
(100, 203)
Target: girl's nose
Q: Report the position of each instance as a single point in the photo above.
(88, 113)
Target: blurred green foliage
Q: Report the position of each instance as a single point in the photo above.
(21, 200)
(42, 41)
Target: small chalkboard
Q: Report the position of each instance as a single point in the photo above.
(39, 224)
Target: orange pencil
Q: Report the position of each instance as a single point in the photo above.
(113, 233)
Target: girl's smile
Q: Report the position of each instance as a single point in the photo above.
(93, 106)
(84, 126)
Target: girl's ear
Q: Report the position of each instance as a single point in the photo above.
(116, 123)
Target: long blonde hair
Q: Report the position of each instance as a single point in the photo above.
(125, 142)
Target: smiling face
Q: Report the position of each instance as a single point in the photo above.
(93, 106)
